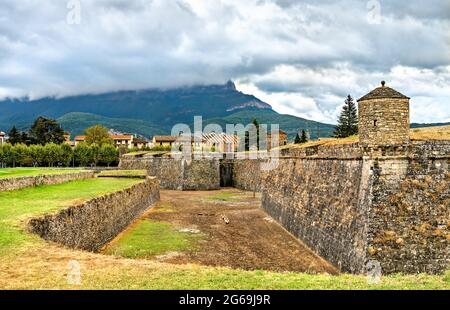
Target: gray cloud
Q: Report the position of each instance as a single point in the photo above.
(301, 56)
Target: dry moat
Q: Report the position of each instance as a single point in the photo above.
(223, 228)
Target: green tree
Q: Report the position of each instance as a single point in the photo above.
(6, 155)
(108, 154)
(15, 156)
(21, 155)
(297, 139)
(82, 153)
(348, 120)
(66, 154)
(95, 154)
(14, 136)
(37, 154)
(2, 157)
(45, 131)
(98, 134)
(304, 137)
(52, 153)
(24, 138)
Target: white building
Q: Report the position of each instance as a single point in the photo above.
(2, 137)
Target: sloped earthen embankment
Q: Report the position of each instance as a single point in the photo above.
(11, 184)
(90, 225)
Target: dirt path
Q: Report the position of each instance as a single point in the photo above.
(236, 233)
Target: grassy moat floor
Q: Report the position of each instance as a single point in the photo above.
(179, 244)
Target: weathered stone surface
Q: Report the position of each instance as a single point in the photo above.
(392, 206)
(23, 182)
(201, 174)
(409, 218)
(384, 121)
(92, 224)
(318, 200)
(247, 174)
(352, 203)
(339, 151)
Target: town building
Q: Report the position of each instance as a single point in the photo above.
(140, 143)
(67, 139)
(217, 142)
(164, 140)
(2, 137)
(128, 141)
(123, 141)
(221, 142)
(282, 139)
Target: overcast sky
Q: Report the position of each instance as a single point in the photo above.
(302, 57)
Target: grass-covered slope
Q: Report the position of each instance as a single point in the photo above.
(18, 206)
(77, 122)
(25, 271)
(431, 133)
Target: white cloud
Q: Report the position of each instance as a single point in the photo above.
(301, 57)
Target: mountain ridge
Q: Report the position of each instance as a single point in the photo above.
(148, 112)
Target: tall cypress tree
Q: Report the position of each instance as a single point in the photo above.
(304, 137)
(348, 120)
(297, 139)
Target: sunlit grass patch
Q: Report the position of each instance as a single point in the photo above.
(431, 133)
(151, 238)
(225, 196)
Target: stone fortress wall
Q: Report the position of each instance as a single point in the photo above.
(203, 174)
(384, 200)
(92, 224)
(392, 207)
(10, 184)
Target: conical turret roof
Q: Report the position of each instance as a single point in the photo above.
(383, 92)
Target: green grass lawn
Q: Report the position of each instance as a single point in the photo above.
(18, 206)
(167, 277)
(30, 172)
(151, 238)
(225, 196)
(28, 262)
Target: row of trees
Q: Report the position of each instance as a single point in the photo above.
(57, 155)
(301, 139)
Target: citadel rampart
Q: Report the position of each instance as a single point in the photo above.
(92, 224)
(354, 204)
(202, 174)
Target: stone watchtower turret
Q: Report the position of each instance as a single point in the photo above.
(384, 117)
